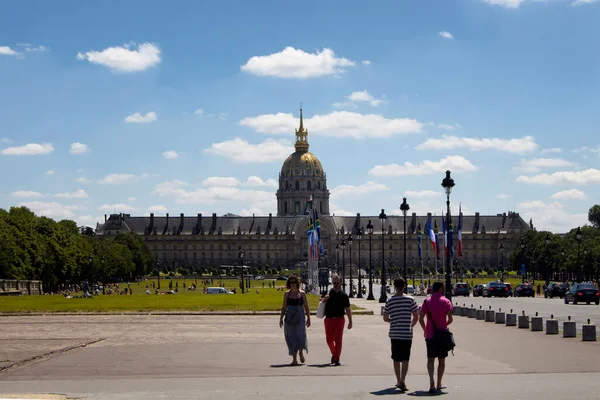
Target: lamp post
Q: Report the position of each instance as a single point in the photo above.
(102, 260)
(547, 269)
(404, 207)
(412, 263)
(350, 251)
(585, 253)
(343, 246)
(578, 236)
(359, 237)
(502, 261)
(383, 297)
(448, 184)
(564, 269)
(337, 258)
(241, 256)
(523, 270)
(370, 232)
(158, 274)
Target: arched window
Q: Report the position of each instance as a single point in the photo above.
(285, 208)
(308, 185)
(318, 184)
(297, 185)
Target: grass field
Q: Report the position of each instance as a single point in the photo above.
(268, 299)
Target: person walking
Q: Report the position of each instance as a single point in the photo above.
(337, 304)
(438, 310)
(398, 311)
(297, 319)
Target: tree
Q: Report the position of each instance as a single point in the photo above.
(594, 216)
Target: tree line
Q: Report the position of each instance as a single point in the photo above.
(60, 253)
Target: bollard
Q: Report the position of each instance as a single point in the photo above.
(464, 310)
(588, 332)
(472, 312)
(569, 328)
(523, 321)
(480, 315)
(552, 326)
(500, 317)
(537, 324)
(456, 310)
(382, 307)
(511, 319)
(489, 315)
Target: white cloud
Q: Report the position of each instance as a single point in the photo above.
(551, 150)
(536, 164)
(79, 194)
(256, 181)
(445, 35)
(422, 193)
(334, 209)
(588, 176)
(551, 216)
(123, 59)
(364, 97)
(572, 194)
(220, 181)
(158, 208)
(131, 198)
(52, 209)
(580, 2)
(295, 63)
(31, 149)
(31, 49)
(7, 51)
(335, 124)
(352, 190)
(505, 3)
(517, 146)
(199, 111)
(83, 180)
(88, 220)
(79, 148)
(240, 151)
(502, 196)
(50, 172)
(450, 127)
(26, 194)
(366, 62)
(5, 140)
(137, 118)
(117, 179)
(117, 208)
(452, 163)
(170, 155)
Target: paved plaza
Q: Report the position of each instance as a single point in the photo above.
(227, 357)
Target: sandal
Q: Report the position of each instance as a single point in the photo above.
(302, 359)
(402, 387)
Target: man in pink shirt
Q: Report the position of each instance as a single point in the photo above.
(438, 308)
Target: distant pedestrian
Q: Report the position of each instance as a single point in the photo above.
(337, 305)
(296, 315)
(438, 310)
(398, 311)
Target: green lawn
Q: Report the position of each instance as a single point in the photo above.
(268, 299)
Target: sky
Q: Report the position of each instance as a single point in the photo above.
(190, 106)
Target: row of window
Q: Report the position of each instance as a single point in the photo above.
(154, 247)
(309, 185)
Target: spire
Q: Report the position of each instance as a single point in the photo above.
(301, 136)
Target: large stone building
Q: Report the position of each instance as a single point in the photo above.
(281, 242)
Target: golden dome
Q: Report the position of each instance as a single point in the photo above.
(302, 164)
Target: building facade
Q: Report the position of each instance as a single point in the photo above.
(280, 241)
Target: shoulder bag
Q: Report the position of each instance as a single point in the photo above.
(442, 337)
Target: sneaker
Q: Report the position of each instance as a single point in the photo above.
(337, 363)
(332, 360)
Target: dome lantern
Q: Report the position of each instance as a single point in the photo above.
(301, 136)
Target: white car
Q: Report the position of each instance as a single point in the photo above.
(217, 290)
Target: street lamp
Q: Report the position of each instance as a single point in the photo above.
(579, 237)
(524, 266)
(343, 246)
(241, 256)
(448, 184)
(350, 251)
(412, 263)
(158, 274)
(547, 269)
(585, 253)
(102, 263)
(370, 232)
(502, 262)
(404, 207)
(564, 269)
(383, 297)
(359, 237)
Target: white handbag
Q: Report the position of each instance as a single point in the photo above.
(321, 310)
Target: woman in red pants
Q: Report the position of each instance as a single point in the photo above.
(337, 305)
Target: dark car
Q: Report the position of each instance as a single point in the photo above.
(511, 293)
(555, 290)
(495, 289)
(524, 290)
(478, 290)
(462, 289)
(581, 292)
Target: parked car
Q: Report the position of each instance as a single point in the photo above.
(555, 290)
(462, 289)
(581, 292)
(524, 290)
(478, 290)
(217, 290)
(511, 293)
(495, 289)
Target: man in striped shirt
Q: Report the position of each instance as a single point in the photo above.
(398, 311)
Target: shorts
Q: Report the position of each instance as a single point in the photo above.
(401, 349)
(434, 350)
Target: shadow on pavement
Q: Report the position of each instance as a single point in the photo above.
(384, 392)
(320, 365)
(285, 365)
(425, 393)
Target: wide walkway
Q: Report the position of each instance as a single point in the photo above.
(229, 357)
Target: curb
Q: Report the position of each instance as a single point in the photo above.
(164, 313)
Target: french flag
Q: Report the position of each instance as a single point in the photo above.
(460, 230)
(432, 236)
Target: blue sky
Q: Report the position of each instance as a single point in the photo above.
(190, 106)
